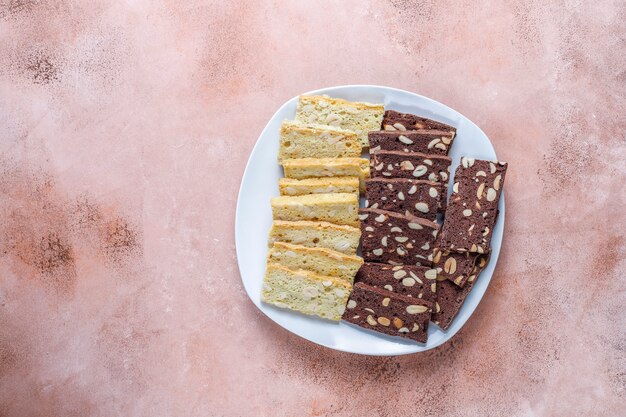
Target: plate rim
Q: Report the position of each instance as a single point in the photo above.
(328, 90)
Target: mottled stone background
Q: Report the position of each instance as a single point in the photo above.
(124, 130)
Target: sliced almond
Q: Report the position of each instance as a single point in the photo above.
(416, 309)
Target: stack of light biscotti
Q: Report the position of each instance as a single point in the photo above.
(417, 270)
(313, 242)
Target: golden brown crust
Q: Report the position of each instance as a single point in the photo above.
(361, 105)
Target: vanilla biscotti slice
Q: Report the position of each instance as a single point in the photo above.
(319, 260)
(341, 238)
(298, 140)
(339, 208)
(328, 167)
(305, 291)
(292, 186)
(360, 117)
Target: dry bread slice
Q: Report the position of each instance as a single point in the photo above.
(339, 208)
(360, 117)
(292, 186)
(328, 167)
(341, 238)
(298, 140)
(305, 291)
(319, 260)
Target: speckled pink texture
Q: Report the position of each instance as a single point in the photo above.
(124, 131)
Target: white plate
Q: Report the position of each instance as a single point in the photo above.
(254, 219)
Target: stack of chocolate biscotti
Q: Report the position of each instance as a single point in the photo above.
(417, 270)
(396, 289)
(313, 242)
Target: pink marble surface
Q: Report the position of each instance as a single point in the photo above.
(124, 131)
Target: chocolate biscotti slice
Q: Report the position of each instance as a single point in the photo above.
(305, 291)
(328, 167)
(409, 280)
(394, 120)
(292, 186)
(299, 140)
(322, 261)
(395, 238)
(388, 312)
(435, 142)
(311, 234)
(339, 208)
(413, 165)
(402, 195)
(456, 266)
(473, 206)
(359, 117)
(450, 297)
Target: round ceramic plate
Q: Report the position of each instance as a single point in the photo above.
(254, 219)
